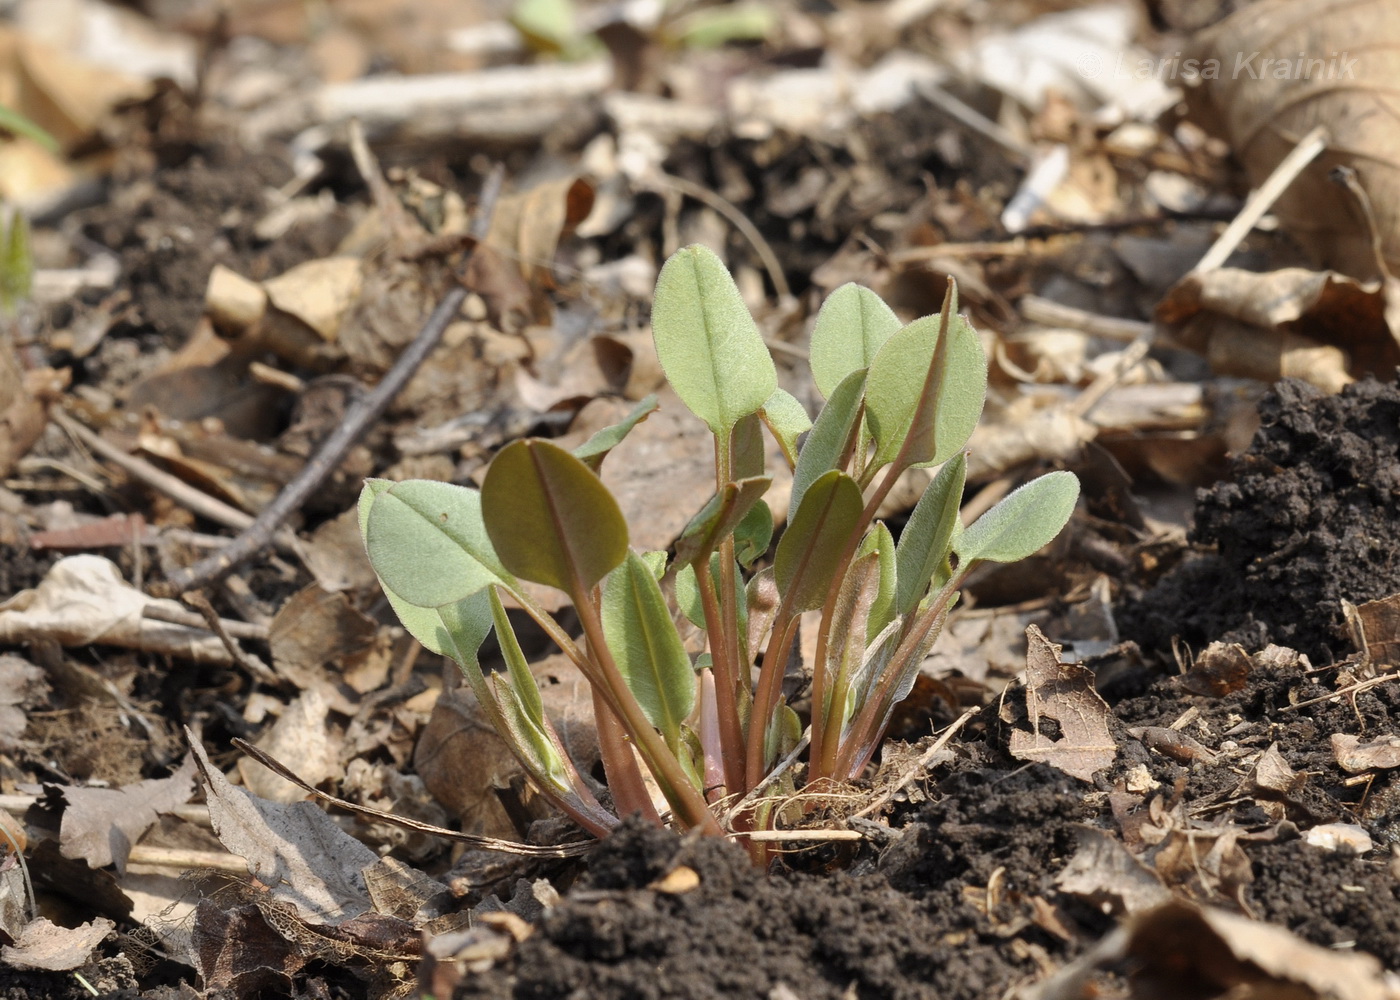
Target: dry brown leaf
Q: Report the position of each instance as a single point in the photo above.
(1322, 326)
(296, 850)
(236, 949)
(1063, 692)
(1331, 63)
(1174, 744)
(1381, 753)
(1205, 864)
(1220, 669)
(315, 633)
(45, 945)
(320, 293)
(301, 737)
(83, 601)
(528, 225)
(100, 825)
(1375, 628)
(1105, 874)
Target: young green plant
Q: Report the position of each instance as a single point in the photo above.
(710, 729)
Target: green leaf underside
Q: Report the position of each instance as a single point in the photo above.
(721, 514)
(787, 419)
(688, 594)
(827, 442)
(427, 542)
(880, 541)
(896, 384)
(551, 520)
(808, 554)
(1024, 521)
(708, 344)
(928, 537)
(852, 326)
(592, 452)
(646, 646)
(753, 534)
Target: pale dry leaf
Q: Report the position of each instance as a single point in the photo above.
(1106, 875)
(1381, 753)
(1063, 692)
(1320, 326)
(100, 825)
(83, 601)
(296, 850)
(45, 945)
(302, 738)
(399, 890)
(528, 225)
(1205, 863)
(20, 681)
(1284, 67)
(320, 293)
(314, 632)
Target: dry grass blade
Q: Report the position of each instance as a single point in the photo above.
(484, 843)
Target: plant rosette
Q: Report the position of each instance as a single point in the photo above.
(711, 730)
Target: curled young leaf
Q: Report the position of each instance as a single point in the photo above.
(787, 420)
(551, 520)
(808, 554)
(596, 448)
(411, 526)
(708, 344)
(831, 436)
(928, 537)
(851, 327)
(882, 609)
(646, 647)
(721, 514)
(1023, 522)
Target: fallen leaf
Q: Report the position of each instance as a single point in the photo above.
(320, 293)
(1285, 66)
(1375, 628)
(302, 737)
(1063, 692)
(1205, 863)
(237, 949)
(83, 601)
(296, 850)
(20, 682)
(45, 945)
(528, 225)
(1335, 836)
(1171, 743)
(315, 634)
(1353, 755)
(1220, 669)
(100, 825)
(1105, 874)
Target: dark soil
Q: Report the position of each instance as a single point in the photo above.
(1310, 515)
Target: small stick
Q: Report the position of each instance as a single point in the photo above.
(1307, 150)
(485, 843)
(237, 629)
(334, 448)
(782, 836)
(176, 857)
(215, 624)
(177, 489)
(1048, 312)
(739, 221)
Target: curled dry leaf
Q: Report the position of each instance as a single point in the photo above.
(1323, 327)
(1381, 753)
(45, 945)
(1287, 66)
(1063, 692)
(1105, 874)
(1375, 628)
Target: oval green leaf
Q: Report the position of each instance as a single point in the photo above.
(427, 541)
(646, 646)
(851, 327)
(808, 554)
(551, 520)
(787, 420)
(1025, 521)
(708, 344)
(905, 395)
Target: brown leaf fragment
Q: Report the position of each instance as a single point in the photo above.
(399, 890)
(1220, 669)
(1205, 864)
(45, 945)
(1375, 628)
(1065, 693)
(1173, 743)
(296, 850)
(1381, 753)
(100, 825)
(315, 632)
(1185, 952)
(237, 950)
(1271, 777)
(1105, 874)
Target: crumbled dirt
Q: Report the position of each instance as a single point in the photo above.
(1309, 515)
